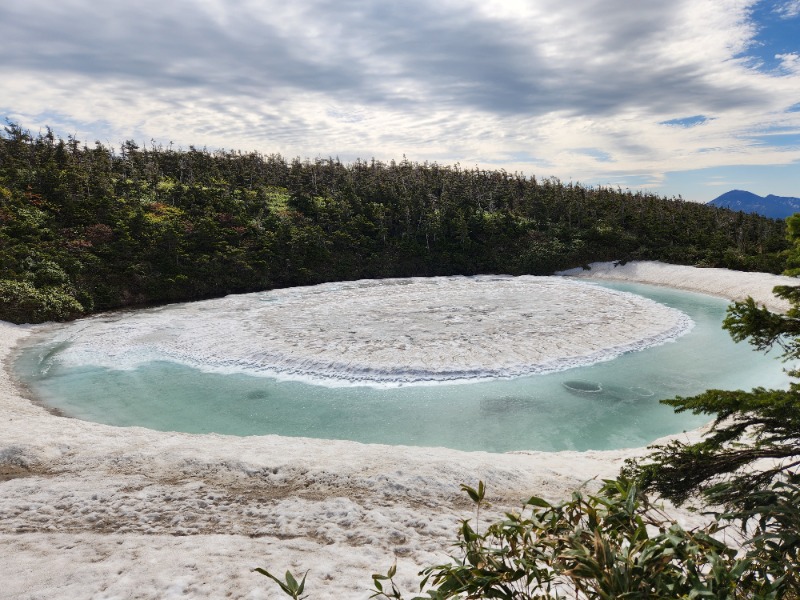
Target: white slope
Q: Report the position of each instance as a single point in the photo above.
(733, 285)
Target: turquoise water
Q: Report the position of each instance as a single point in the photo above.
(608, 405)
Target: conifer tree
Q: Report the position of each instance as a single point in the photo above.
(747, 467)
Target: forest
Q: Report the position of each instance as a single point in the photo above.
(92, 228)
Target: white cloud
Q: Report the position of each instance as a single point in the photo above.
(528, 86)
(789, 10)
(790, 62)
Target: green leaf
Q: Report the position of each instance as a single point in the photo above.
(536, 501)
(291, 581)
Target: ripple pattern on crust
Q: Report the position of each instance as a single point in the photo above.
(391, 331)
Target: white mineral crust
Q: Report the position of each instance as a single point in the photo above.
(385, 332)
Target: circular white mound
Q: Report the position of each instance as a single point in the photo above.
(385, 332)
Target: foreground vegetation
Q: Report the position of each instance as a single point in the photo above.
(611, 545)
(84, 229)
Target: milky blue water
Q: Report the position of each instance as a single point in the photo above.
(608, 405)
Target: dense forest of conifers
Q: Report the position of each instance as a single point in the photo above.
(84, 229)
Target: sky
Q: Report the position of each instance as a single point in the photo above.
(686, 98)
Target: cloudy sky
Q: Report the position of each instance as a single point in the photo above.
(682, 97)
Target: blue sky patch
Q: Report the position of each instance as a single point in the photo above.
(783, 140)
(596, 153)
(778, 32)
(687, 121)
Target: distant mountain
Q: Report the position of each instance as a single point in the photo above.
(776, 207)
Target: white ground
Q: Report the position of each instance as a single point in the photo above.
(733, 285)
(92, 511)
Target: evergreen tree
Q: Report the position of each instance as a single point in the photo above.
(748, 464)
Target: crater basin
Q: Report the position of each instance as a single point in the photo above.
(388, 361)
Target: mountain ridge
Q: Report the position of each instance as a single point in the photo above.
(775, 207)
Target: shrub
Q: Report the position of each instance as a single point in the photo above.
(21, 302)
(615, 544)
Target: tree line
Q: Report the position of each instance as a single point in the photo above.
(85, 229)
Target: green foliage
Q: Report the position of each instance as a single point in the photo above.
(793, 253)
(21, 302)
(763, 329)
(748, 427)
(379, 586)
(748, 464)
(771, 518)
(141, 225)
(754, 441)
(611, 545)
(290, 586)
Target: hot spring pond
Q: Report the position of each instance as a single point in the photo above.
(473, 389)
